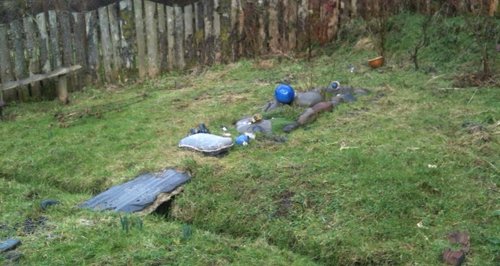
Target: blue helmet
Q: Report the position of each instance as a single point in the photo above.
(284, 93)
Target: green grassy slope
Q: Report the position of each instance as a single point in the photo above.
(379, 181)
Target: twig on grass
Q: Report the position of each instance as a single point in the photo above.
(470, 100)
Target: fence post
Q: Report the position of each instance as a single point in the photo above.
(19, 58)
(93, 47)
(151, 38)
(32, 48)
(79, 40)
(199, 35)
(179, 36)
(41, 22)
(274, 43)
(209, 39)
(333, 22)
(5, 63)
(106, 43)
(114, 27)
(162, 32)
(55, 54)
(170, 37)
(262, 12)
(141, 42)
(217, 32)
(234, 36)
(302, 21)
(67, 52)
(188, 35)
(292, 25)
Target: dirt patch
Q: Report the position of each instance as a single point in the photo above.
(456, 257)
(30, 225)
(476, 80)
(264, 64)
(234, 98)
(285, 203)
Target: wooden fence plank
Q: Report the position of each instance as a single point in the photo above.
(170, 37)
(6, 73)
(162, 37)
(55, 54)
(151, 38)
(283, 24)
(179, 36)
(225, 31)
(141, 40)
(274, 42)
(189, 34)
(114, 26)
(217, 31)
(262, 40)
(67, 49)
(127, 26)
(292, 25)
(354, 8)
(208, 14)
(79, 43)
(302, 29)
(93, 60)
(200, 29)
(199, 21)
(32, 51)
(333, 21)
(106, 44)
(207, 18)
(41, 22)
(20, 69)
(234, 36)
(241, 25)
(39, 77)
(65, 34)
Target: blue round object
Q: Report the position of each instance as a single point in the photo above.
(284, 94)
(242, 140)
(335, 85)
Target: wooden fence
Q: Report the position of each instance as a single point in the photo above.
(140, 38)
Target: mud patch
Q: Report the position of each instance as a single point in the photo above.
(285, 203)
(31, 225)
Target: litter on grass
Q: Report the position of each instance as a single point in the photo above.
(248, 125)
(9, 244)
(143, 194)
(208, 144)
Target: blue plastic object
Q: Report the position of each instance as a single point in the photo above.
(9, 244)
(335, 85)
(284, 94)
(48, 202)
(242, 140)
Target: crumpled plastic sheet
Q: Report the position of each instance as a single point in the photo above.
(308, 99)
(245, 125)
(207, 143)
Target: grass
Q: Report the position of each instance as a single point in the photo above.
(348, 189)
